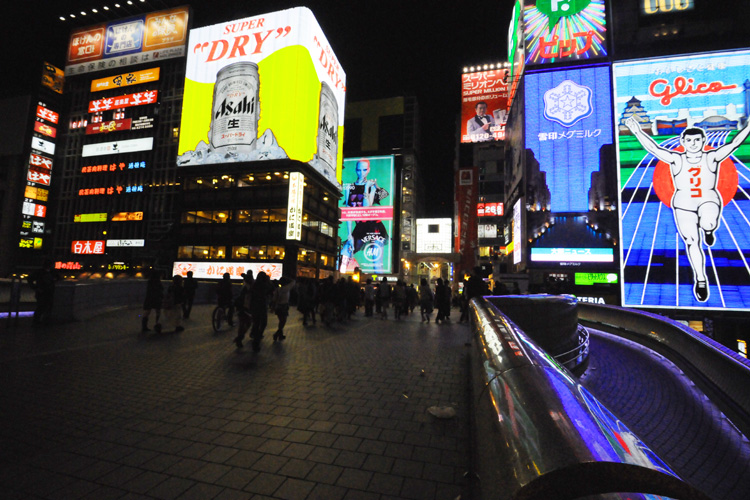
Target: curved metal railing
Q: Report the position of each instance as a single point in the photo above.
(722, 374)
(542, 435)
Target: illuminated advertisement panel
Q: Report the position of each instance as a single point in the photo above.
(52, 77)
(99, 217)
(516, 50)
(366, 228)
(43, 146)
(125, 79)
(484, 105)
(490, 209)
(127, 216)
(570, 170)
(40, 161)
(44, 129)
(118, 147)
(136, 40)
(108, 126)
(649, 7)
(683, 180)
(434, 235)
(47, 114)
(294, 206)
(87, 247)
(215, 270)
(123, 101)
(564, 30)
(263, 88)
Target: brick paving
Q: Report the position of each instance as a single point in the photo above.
(92, 410)
(673, 417)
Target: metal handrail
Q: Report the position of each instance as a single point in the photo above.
(576, 356)
(552, 438)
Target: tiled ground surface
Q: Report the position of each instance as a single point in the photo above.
(91, 410)
(657, 402)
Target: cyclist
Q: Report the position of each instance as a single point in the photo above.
(225, 297)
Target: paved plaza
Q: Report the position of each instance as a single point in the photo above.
(92, 410)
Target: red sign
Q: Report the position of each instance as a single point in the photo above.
(86, 45)
(40, 161)
(38, 176)
(47, 114)
(484, 105)
(85, 247)
(45, 129)
(124, 101)
(110, 126)
(71, 266)
(490, 209)
(367, 213)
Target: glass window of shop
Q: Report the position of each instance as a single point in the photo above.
(307, 256)
(199, 252)
(263, 252)
(263, 178)
(261, 215)
(206, 217)
(210, 182)
(313, 223)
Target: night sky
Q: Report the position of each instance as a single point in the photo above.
(387, 48)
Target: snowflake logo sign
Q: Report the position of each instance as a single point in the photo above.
(568, 103)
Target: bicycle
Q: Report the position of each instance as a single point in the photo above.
(219, 317)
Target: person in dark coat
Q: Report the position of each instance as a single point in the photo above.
(442, 301)
(190, 285)
(173, 301)
(43, 284)
(225, 296)
(153, 301)
(258, 305)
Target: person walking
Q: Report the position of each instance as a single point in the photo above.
(153, 301)
(258, 309)
(383, 297)
(43, 284)
(426, 300)
(399, 299)
(190, 285)
(173, 301)
(306, 303)
(244, 316)
(442, 301)
(281, 305)
(412, 298)
(369, 297)
(226, 297)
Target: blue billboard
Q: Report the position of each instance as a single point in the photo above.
(684, 180)
(571, 175)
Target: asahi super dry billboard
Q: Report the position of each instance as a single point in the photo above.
(263, 88)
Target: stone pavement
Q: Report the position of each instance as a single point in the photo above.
(91, 410)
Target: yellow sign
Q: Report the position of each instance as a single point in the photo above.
(36, 193)
(125, 79)
(127, 216)
(90, 217)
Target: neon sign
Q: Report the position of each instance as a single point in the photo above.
(649, 7)
(86, 247)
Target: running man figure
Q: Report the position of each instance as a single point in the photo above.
(696, 202)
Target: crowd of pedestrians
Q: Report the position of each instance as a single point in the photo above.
(327, 300)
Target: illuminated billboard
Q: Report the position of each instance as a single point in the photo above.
(650, 7)
(564, 30)
(125, 79)
(570, 170)
(215, 270)
(484, 105)
(683, 154)
(490, 209)
(434, 235)
(366, 228)
(263, 88)
(467, 194)
(126, 42)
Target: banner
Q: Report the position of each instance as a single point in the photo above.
(267, 87)
(683, 159)
(467, 195)
(366, 242)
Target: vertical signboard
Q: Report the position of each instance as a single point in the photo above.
(564, 30)
(263, 88)
(136, 40)
(366, 228)
(683, 154)
(484, 105)
(467, 195)
(294, 207)
(570, 170)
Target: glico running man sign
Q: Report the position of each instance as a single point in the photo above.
(684, 180)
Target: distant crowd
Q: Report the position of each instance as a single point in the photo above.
(327, 301)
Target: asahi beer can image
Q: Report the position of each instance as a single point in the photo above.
(267, 87)
(328, 137)
(234, 117)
